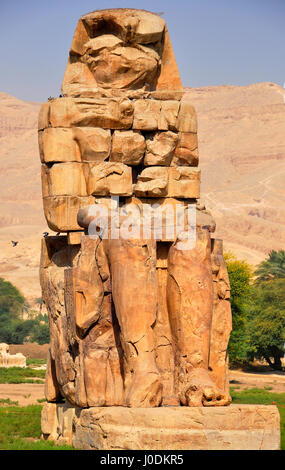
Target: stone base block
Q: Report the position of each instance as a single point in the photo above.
(236, 427)
(57, 422)
(10, 360)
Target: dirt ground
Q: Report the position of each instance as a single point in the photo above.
(241, 380)
(24, 394)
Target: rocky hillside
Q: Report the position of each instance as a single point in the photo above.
(21, 217)
(242, 155)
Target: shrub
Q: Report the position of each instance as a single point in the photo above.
(13, 329)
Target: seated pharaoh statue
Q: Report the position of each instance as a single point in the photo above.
(136, 289)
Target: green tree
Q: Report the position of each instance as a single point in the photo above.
(266, 325)
(271, 268)
(40, 333)
(11, 304)
(14, 330)
(11, 300)
(21, 330)
(241, 278)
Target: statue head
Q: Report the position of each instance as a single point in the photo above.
(121, 49)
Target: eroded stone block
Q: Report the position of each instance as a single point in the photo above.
(94, 143)
(146, 115)
(109, 178)
(10, 360)
(152, 182)
(58, 145)
(74, 238)
(168, 115)
(184, 182)
(128, 147)
(57, 421)
(186, 119)
(237, 427)
(63, 179)
(160, 149)
(180, 182)
(108, 113)
(61, 211)
(186, 151)
(43, 121)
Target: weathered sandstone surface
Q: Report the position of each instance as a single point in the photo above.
(235, 170)
(10, 360)
(238, 427)
(115, 302)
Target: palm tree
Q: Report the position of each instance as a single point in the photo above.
(271, 268)
(39, 301)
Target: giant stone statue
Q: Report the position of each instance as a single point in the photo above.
(140, 321)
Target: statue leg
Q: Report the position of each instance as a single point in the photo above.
(190, 306)
(134, 291)
(61, 369)
(222, 319)
(95, 334)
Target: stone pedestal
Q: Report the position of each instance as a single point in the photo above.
(235, 427)
(10, 360)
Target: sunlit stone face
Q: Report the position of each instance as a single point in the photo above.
(120, 51)
(117, 64)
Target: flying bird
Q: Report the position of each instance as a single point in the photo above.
(14, 243)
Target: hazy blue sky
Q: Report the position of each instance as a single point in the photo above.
(234, 42)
